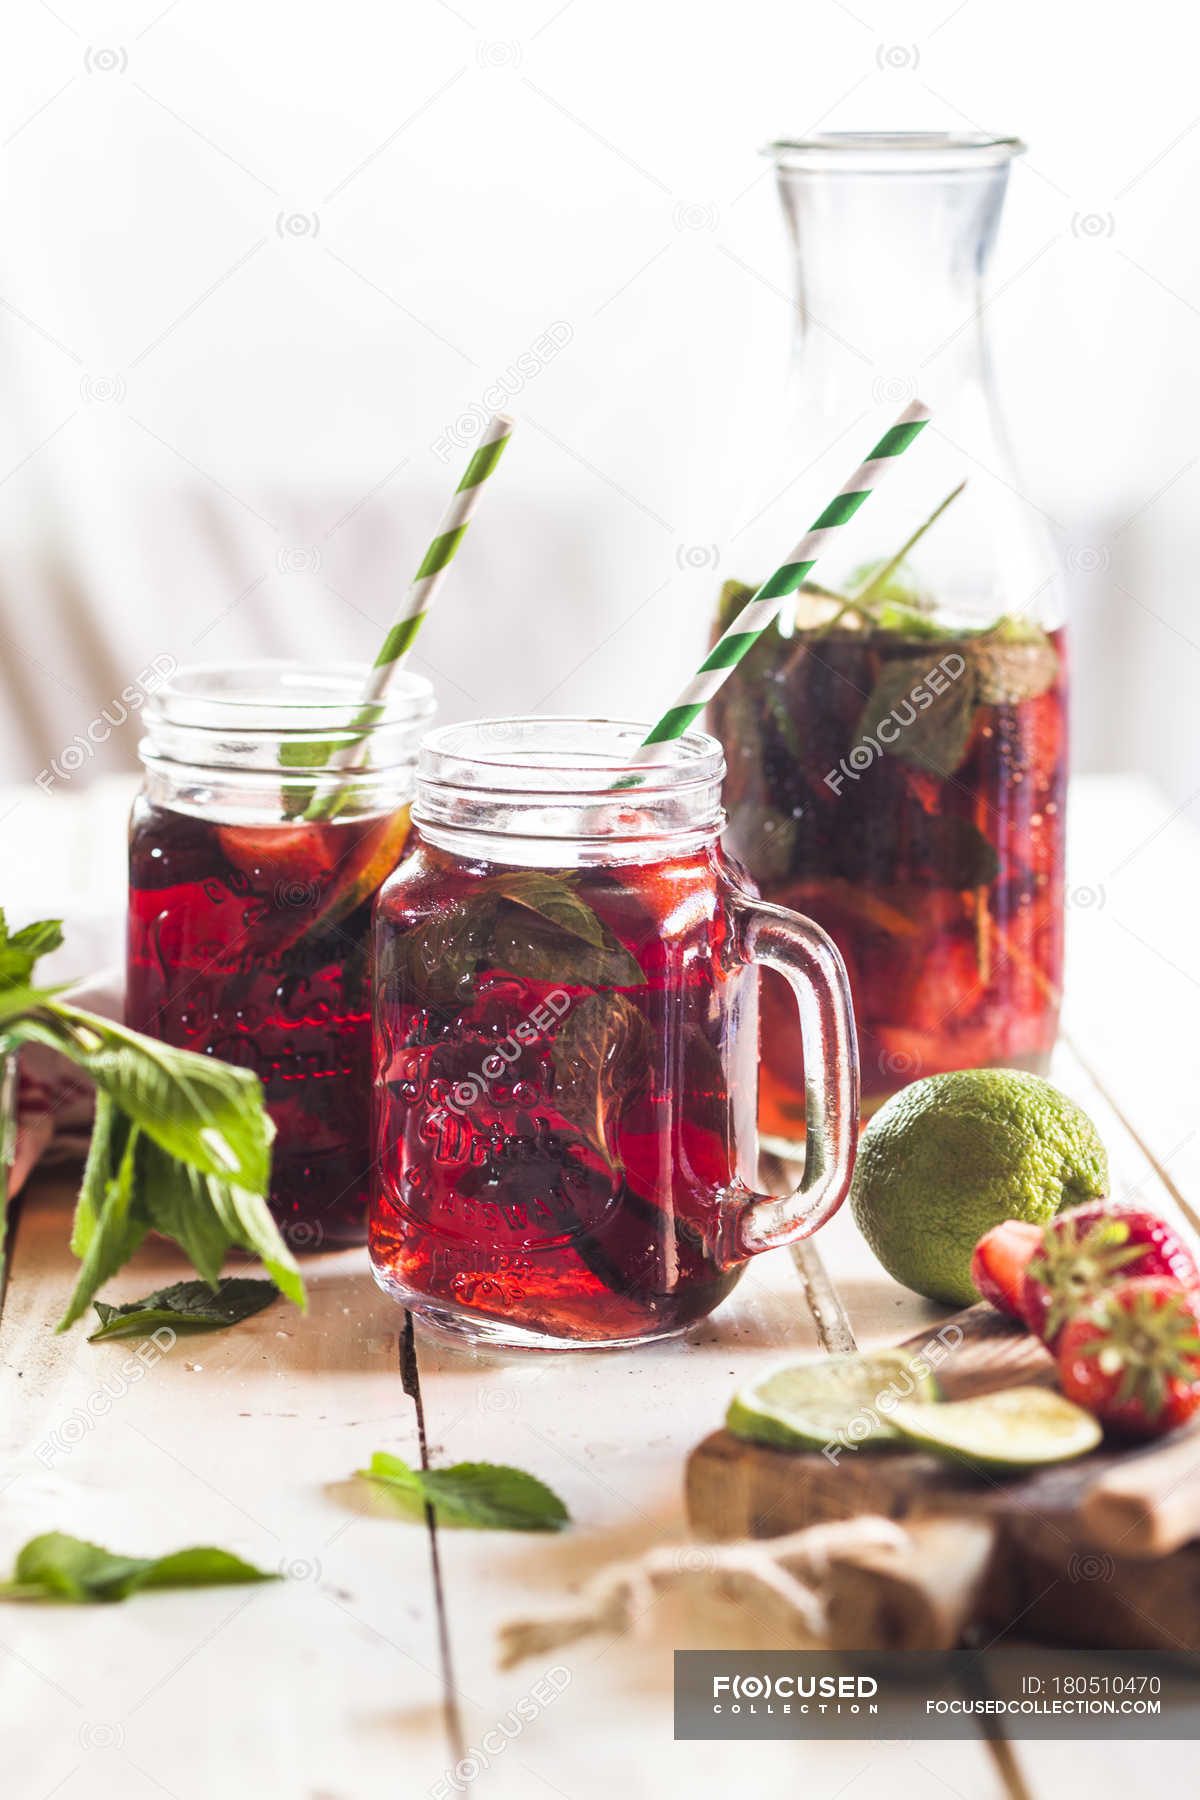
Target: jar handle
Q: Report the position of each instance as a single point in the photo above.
(808, 960)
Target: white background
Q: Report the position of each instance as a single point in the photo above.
(256, 261)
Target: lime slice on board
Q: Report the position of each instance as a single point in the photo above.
(1017, 1428)
(846, 1400)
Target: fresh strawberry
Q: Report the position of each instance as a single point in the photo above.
(1088, 1249)
(1132, 1356)
(999, 1263)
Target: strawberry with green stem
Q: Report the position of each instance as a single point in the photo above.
(1132, 1356)
(1087, 1250)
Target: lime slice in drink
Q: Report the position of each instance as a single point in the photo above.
(837, 1400)
(1017, 1428)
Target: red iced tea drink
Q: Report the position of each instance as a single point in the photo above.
(249, 922)
(249, 943)
(539, 1162)
(906, 789)
(565, 1044)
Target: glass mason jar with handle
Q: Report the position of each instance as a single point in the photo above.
(897, 743)
(251, 877)
(565, 977)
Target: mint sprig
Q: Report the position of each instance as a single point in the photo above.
(184, 1306)
(181, 1144)
(486, 1496)
(56, 1566)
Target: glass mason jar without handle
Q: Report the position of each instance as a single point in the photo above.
(249, 922)
(566, 1044)
(897, 742)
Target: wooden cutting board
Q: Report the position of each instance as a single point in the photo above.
(1098, 1552)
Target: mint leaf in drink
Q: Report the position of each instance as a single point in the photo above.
(956, 853)
(185, 1306)
(888, 583)
(55, 1566)
(1010, 670)
(551, 897)
(529, 923)
(485, 1496)
(20, 950)
(601, 1053)
(434, 961)
(903, 621)
(534, 947)
(926, 728)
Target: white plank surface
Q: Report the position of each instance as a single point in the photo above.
(330, 1685)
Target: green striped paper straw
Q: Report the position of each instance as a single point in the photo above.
(762, 607)
(440, 554)
(417, 602)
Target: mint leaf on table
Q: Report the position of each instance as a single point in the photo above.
(205, 1217)
(487, 1496)
(56, 1566)
(185, 1306)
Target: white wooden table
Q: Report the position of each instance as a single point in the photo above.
(372, 1668)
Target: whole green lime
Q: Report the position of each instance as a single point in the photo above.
(949, 1157)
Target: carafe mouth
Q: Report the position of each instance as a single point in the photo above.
(555, 781)
(894, 152)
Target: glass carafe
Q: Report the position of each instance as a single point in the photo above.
(897, 742)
